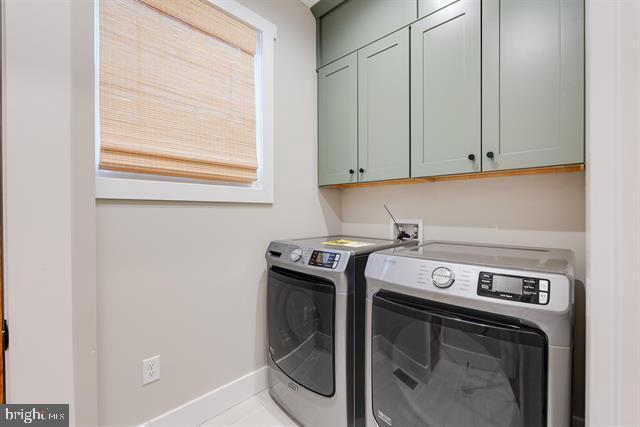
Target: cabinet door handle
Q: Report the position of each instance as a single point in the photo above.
(471, 157)
(361, 170)
(351, 172)
(490, 154)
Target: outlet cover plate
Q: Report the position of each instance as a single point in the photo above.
(150, 369)
(413, 227)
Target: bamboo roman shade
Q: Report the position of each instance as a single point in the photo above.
(177, 90)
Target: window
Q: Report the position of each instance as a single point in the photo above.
(184, 93)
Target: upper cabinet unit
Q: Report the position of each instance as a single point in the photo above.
(338, 121)
(363, 114)
(345, 26)
(533, 83)
(429, 88)
(445, 91)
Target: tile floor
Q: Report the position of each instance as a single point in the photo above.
(259, 410)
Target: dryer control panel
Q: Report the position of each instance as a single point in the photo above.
(514, 288)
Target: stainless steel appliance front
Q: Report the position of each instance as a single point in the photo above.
(315, 320)
(469, 334)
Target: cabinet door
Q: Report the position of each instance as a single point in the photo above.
(338, 121)
(445, 91)
(533, 83)
(383, 108)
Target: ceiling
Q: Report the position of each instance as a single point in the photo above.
(309, 2)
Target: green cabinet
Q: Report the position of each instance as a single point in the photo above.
(338, 121)
(533, 83)
(445, 91)
(471, 86)
(363, 114)
(383, 108)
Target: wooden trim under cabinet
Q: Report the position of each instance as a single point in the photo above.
(479, 175)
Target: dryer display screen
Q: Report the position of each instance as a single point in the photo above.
(512, 285)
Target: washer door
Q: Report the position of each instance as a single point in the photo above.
(300, 317)
(435, 365)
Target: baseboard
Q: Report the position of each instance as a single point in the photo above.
(215, 402)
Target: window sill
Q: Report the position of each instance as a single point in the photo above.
(140, 189)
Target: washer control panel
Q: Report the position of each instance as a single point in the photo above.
(324, 259)
(515, 288)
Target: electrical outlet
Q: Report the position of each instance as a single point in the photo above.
(150, 370)
(413, 227)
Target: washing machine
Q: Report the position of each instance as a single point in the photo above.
(469, 335)
(316, 324)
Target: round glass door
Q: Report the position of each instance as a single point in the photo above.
(300, 317)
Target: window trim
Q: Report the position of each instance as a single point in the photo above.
(118, 185)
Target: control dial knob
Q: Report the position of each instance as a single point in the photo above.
(442, 277)
(295, 254)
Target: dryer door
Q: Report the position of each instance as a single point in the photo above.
(300, 317)
(437, 365)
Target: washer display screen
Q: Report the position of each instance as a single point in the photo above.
(324, 259)
(510, 285)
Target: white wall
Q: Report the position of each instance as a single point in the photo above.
(49, 207)
(83, 213)
(535, 210)
(613, 212)
(187, 280)
(38, 230)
